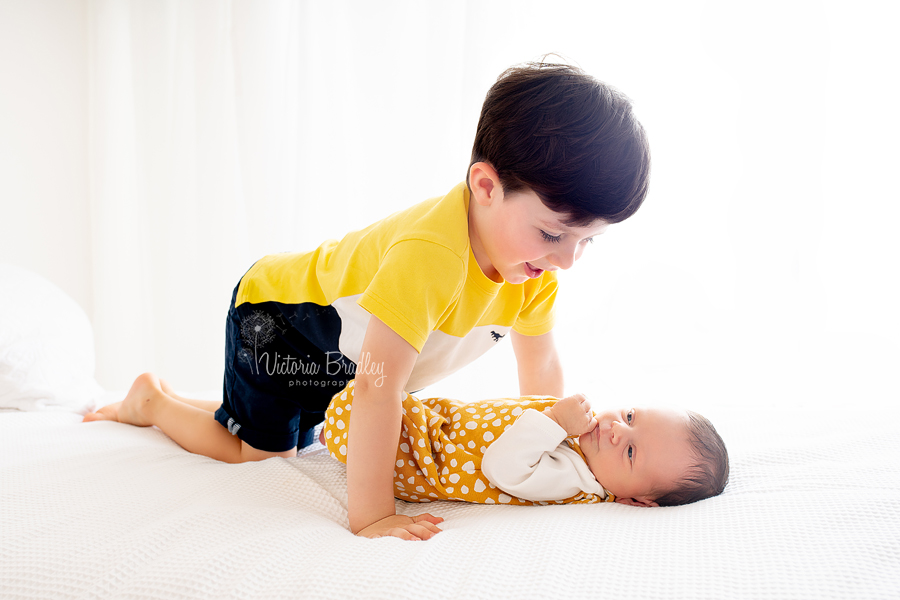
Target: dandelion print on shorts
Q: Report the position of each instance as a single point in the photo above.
(257, 330)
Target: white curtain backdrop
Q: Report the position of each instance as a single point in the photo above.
(764, 260)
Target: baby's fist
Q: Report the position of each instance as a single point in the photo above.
(573, 414)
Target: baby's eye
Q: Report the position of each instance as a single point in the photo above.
(630, 452)
(630, 416)
(550, 238)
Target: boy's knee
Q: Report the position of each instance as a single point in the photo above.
(251, 454)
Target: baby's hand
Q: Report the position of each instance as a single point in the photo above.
(573, 414)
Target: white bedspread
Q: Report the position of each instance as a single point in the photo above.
(104, 510)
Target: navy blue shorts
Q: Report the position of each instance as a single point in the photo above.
(278, 382)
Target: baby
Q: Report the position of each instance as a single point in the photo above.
(521, 451)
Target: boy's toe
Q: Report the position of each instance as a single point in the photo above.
(107, 413)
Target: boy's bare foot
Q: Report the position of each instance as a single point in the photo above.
(133, 409)
(164, 386)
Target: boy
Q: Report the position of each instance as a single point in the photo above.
(558, 156)
(518, 451)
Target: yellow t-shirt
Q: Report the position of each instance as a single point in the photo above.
(441, 446)
(415, 271)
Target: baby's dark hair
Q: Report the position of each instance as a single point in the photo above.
(570, 138)
(708, 476)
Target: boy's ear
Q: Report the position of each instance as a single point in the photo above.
(485, 184)
(636, 501)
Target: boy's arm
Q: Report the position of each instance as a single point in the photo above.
(540, 372)
(386, 361)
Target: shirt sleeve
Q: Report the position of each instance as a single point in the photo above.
(529, 462)
(416, 282)
(537, 315)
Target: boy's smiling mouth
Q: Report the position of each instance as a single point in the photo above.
(532, 271)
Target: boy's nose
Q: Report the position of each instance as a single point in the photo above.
(564, 258)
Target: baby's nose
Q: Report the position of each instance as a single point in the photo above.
(615, 432)
(610, 430)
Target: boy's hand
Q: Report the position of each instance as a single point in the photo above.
(573, 414)
(419, 527)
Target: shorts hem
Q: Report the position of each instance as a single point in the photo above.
(266, 442)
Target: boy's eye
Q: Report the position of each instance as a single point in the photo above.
(550, 238)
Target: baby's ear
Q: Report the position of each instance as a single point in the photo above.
(636, 501)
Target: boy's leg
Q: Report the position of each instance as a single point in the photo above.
(207, 405)
(194, 429)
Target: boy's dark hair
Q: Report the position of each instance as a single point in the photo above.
(708, 476)
(572, 139)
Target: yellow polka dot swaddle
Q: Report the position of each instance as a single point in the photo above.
(441, 445)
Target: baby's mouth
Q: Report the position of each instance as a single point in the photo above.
(593, 436)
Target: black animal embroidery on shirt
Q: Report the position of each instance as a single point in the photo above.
(497, 337)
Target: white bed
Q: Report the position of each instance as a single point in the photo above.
(104, 510)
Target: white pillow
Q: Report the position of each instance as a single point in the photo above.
(46, 346)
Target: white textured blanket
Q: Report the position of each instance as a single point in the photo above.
(104, 510)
